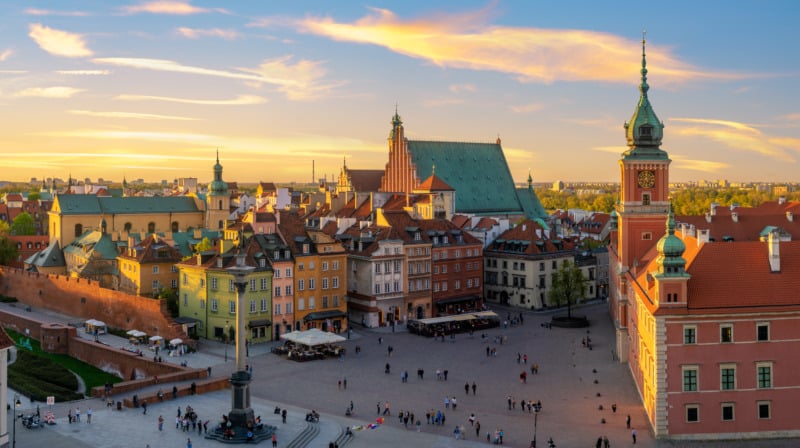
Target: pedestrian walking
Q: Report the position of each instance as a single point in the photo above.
(444, 373)
(144, 407)
(606, 443)
(344, 382)
(466, 388)
(633, 435)
(188, 443)
(599, 443)
(477, 428)
(628, 422)
(283, 416)
(614, 407)
(274, 440)
(78, 414)
(89, 416)
(380, 340)
(474, 387)
(161, 423)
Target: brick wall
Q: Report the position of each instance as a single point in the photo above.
(85, 299)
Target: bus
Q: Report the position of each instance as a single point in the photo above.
(456, 323)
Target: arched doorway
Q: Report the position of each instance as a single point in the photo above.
(420, 312)
(504, 297)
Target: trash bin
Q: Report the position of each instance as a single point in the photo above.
(119, 405)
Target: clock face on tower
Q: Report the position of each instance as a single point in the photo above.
(647, 179)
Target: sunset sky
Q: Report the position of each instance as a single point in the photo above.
(152, 89)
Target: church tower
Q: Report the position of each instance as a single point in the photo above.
(218, 200)
(400, 175)
(644, 171)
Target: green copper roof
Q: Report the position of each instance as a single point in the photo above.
(96, 243)
(670, 251)
(477, 171)
(218, 187)
(531, 206)
(82, 204)
(644, 131)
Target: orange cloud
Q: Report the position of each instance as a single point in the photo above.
(530, 54)
(706, 166)
(527, 108)
(196, 33)
(6, 54)
(57, 42)
(84, 72)
(735, 135)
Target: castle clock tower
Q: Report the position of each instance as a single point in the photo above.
(644, 171)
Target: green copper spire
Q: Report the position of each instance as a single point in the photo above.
(396, 122)
(530, 181)
(218, 187)
(670, 248)
(644, 131)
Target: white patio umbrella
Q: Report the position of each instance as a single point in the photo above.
(136, 333)
(176, 341)
(156, 338)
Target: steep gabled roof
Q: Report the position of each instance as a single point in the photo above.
(51, 256)
(434, 183)
(530, 238)
(477, 171)
(750, 221)
(365, 180)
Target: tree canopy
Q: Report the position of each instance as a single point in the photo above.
(203, 245)
(569, 286)
(8, 250)
(23, 225)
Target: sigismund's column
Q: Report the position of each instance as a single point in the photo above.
(241, 412)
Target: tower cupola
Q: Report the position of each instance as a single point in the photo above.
(644, 131)
(670, 249)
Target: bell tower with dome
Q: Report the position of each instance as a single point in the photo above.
(644, 171)
(218, 200)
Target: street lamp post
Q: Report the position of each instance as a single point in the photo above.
(536, 408)
(17, 405)
(225, 340)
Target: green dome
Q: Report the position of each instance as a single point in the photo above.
(670, 248)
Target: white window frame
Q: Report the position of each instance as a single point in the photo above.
(723, 367)
(693, 329)
(696, 370)
(686, 413)
(761, 325)
(722, 328)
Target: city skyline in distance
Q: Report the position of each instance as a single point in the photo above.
(152, 89)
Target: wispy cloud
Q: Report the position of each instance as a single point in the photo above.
(49, 92)
(196, 33)
(137, 135)
(737, 135)
(527, 108)
(530, 54)
(57, 42)
(52, 12)
(6, 54)
(298, 80)
(169, 7)
(611, 149)
(706, 166)
(13, 72)
(128, 115)
(84, 72)
(466, 87)
(238, 101)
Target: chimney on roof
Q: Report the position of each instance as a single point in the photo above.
(714, 206)
(774, 251)
(790, 216)
(781, 200)
(703, 236)
(735, 216)
(708, 217)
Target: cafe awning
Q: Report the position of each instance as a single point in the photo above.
(312, 337)
(320, 315)
(260, 323)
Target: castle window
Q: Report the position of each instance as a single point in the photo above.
(647, 236)
(174, 226)
(151, 227)
(78, 230)
(645, 198)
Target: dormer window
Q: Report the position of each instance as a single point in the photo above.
(306, 248)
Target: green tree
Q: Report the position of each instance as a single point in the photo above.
(23, 225)
(171, 296)
(34, 196)
(203, 245)
(568, 286)
(8, 249)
